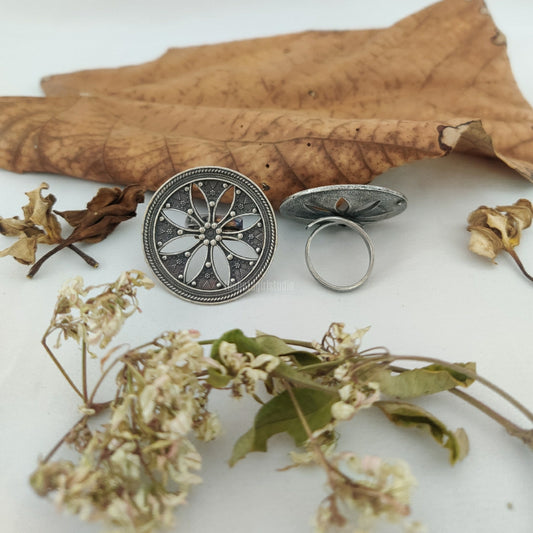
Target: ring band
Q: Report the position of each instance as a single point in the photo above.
(326, 222)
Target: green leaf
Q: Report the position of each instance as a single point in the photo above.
(280, 416)
(276, 346)
(216, 379)
(273, 345)
(302, 379)
(409, 415)
(236, 336)
(304, 359)
(423, 381)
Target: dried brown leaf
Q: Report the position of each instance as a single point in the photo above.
(40, 225)
(15, 227)
(39, 212)
(104, 213)
(291, 112)
(39, 220)
(22, 250)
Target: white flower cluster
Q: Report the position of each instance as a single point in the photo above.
(340, 344)
(353, 398)
(354, 394)
(371, 489)
(94, 321)
(171, 385)
(245, 369)
(136, 469)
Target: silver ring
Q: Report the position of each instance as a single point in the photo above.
(209, 234)
(343, 205)
(326, 222)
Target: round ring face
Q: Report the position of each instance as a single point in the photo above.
(360, 203)
(209, 234)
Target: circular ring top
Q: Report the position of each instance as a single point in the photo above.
(359, 203)
(209, 234)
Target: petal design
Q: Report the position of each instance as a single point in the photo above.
(199, 204)
(221, 266)
(239, 248)
(224, 204)
(243, 222)
(367, 208)
(178, 245)
(195, 263)
(179, 218)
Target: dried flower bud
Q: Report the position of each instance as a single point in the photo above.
(496, 229)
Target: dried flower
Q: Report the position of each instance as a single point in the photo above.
(364, 490)
(140, 464)
(39, 225)
(134, 470)
(499, 229)
(245, 369)
(95, 320)
(104, 213)
(340, 343)
(353, 398)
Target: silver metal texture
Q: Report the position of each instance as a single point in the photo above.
(209, 234)
(343, 205)
(359, 203)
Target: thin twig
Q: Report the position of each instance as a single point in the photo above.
(87, 258)
(516, 431)
(101, 379)
(62, 440)
(514, 255)
(36, 266)
(84, 368)
(60, 367)
(64, 244)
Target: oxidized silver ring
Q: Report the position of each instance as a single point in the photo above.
(343, 205)
(326, 222)
(209, 234)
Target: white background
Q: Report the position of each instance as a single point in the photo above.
(428, 294)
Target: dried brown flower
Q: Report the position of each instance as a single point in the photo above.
(39, 225)
(103, 214)
(499, 229)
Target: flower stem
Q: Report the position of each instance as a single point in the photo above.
(64, 244)
(207, 342)
(525, 435)
(60, 367)
(514, 255)
(62, 440)
(100, 380)
(84, 369)
(36, 266)
(87, 258)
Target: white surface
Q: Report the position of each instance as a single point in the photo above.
(427, 295)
